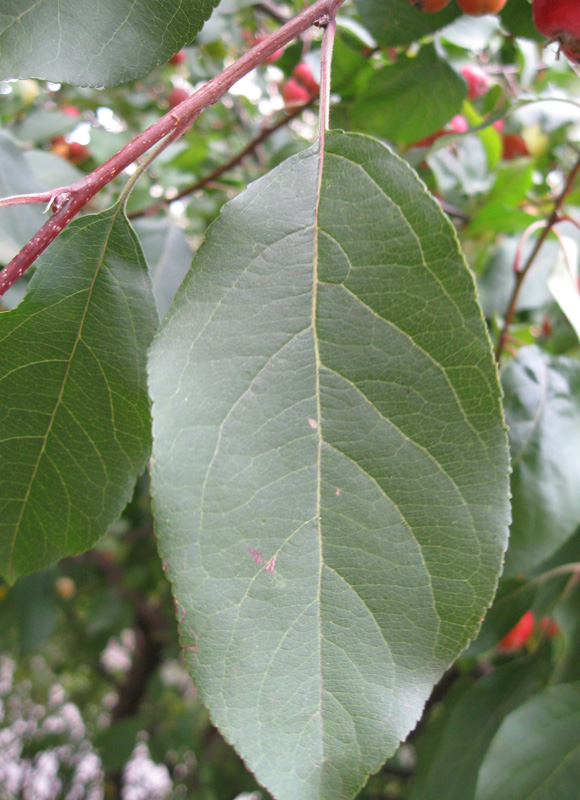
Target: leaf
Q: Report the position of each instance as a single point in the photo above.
(74, 412)
(74, 43)
(536, 752)
(566, 614)
(542, 407)
(470, 727)
(563, 282)
(168, 255)
(410, 99)
(517, 19)
(396, 22)
(496, 283)
(330, 464)
(17, 224)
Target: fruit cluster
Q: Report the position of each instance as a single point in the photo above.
(475, 8)
(559, 20)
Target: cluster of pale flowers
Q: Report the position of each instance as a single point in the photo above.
(45, 749)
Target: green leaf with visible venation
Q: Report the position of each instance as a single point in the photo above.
(397, 22)
(410, 99)
(329, 466)
(536, 753)
(74, 411)
(88, 44)
(470, 726)
(542, 407)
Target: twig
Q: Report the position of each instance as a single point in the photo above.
(68, 200)
(521, 273)
(233, 162)
(272, 10)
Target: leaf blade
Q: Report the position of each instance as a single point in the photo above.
(72, 394)
(72, 44)
(269, 464)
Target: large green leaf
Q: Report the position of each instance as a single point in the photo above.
(74, 411)
(80, 42)
(536, 752)
(397, 22)
(470, 726)
(329, 464)
(410, 99)
(18, 224)
(542, 406)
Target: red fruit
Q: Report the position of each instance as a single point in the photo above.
(560, 20)
(477, 8)
(71, 111)
(458, 124)
(303, 75)
(514, 146)
(519, 634)
(275, 55)
(178, 58)
(78, 152)
(176, 96)
(294, 93)
(60, 147)
(549, 627)
(477, 81)
(430, 6)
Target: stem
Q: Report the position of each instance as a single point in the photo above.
(148, 160)
(325, 64)
(563, 569)
(521, 274)
(70, 199)
(233, 162)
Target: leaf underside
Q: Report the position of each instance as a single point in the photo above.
(74, 410)
(542, 407)
(330, 465)
(88, 44)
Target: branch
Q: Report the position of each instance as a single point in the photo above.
(233, 162)
(67, 201)
(521, 273)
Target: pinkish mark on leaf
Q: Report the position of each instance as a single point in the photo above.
(337, 493)
(313, 424)
(179, 611)
(256, 555)
(271, 565)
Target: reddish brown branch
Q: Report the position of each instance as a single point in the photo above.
(233, 162)
(69, 200)
(521, 273)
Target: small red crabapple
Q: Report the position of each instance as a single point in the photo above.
(294, 93)
(176, 96)
(519, 634)
(478, 82)
(303, 75)
(178, 58)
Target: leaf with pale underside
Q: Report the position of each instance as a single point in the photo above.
(74, 410)
(542, 406)
(330, 464)
(94, 44)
